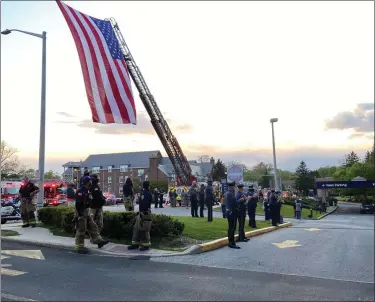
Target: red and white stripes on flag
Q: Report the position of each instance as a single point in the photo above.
(104, 69)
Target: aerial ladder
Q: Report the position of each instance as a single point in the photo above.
(172, 147)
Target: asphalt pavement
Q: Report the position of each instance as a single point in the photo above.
(59, 275)
(338, 247)
(330, 259)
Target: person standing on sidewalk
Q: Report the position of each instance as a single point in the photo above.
(298, 205)
(193, 193)
(142, 225)
(231, 207)
(97, 203)
(242, 207)
(252, 206)
(83, 220)
(27, 194)
(70, 194)
(209, 198)
(161, 201)
(201, 201)
(128, 192)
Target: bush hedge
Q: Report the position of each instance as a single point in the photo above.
(117, 225)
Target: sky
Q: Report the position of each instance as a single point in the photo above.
(218, 71)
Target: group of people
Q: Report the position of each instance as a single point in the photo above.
(237, 204)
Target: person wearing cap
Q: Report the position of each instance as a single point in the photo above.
(128, 192)
(97, 203)
(85, 173)
(252, 206)
(27, 193)
(274, 207)
(242, 207)
(83, 220)
(209, 199)
(231, 207)
(142, 225)
(193, 194)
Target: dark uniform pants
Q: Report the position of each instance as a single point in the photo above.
(141, 229)
(209, 203)
(160, 202)
(27, 209)
(274, 214)
(251, 212)
(194, 208)
(201, 208)
(156, 201)
(85, 224)
(241, 225)
(128, 203)
(232, 225)
(97, 216)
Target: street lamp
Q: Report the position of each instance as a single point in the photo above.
(272, 121)
(42, 143)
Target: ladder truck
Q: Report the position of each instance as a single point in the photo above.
(172, 147)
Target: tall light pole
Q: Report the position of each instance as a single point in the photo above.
(42, 142)
(272, 121)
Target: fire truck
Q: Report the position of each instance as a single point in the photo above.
(10, 189)
(54, 192)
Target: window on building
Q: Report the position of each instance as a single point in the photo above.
(141, 172)
(146, 177)
(82, 170)
(95, 170)
(124, 168)
(121, 179)
(120, 191)
(109, 169)
(109, 179)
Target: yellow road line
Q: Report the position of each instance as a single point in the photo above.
(3, 257)
(11, 272)
(32, 254)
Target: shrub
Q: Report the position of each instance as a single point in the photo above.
(116, 225)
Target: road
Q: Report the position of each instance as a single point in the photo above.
(334, 263)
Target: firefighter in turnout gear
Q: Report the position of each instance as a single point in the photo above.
(83, 219)
(27, 193)
(142, 225)
(97, 203)
(128, 192)
(242, 209)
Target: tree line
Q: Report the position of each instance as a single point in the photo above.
(304, 178)
(11, 167)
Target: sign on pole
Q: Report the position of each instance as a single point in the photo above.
(235, 173)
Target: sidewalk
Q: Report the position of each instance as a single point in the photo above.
(43, 237)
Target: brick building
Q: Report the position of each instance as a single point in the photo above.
(114, 168)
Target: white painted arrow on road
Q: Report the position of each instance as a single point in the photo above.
(313, 229)
(287, 243)
(32, 254)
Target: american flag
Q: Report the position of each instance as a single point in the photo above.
(105, 73)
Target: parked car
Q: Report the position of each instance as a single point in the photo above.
(366, 208)
(10, 211)
(110, 199)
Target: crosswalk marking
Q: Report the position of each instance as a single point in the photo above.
(14, 298)
(11, 272)
(3, 257)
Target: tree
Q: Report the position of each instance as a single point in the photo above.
(351, 159)
(304, 180)
(204, 158)
(327, 171)
(25, 171)
(9, 160)
(161, 185)
(51, 175)
(219, 170)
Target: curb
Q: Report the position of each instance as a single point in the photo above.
(218, 243)
(96, 251)
(326, 214)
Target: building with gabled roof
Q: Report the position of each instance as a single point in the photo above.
(114, 168)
